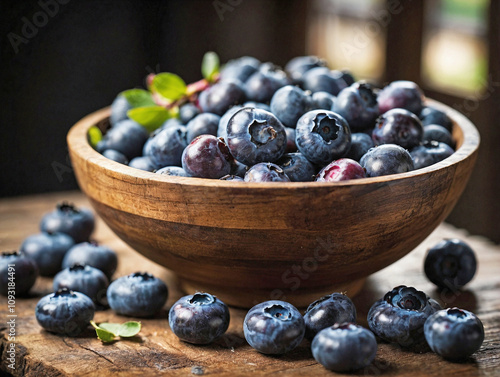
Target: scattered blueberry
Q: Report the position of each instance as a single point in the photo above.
(266, 172)
(94, 255)
(137, 295)
(207, 157)
(200, 318)
(65, 312)
(399, 317)
(386, 159)
(344, 347)
(451, 263)
(342, 169)
(322, 136)
(84, 279)
(454, 334)
(18, 273)
(332, 309)
(274, 327)
(67, 218)
(47, 249)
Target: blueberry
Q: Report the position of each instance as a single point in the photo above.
(224, 120)
(360, 144)
(239, 69)
(94, 255)
(47, 249)
(344, 347)
(115, 156)
(435, 132)
(200, 318)
(322, 136)
(166, 147)
(127, 137)
(261, 85)
(202, 124)
(266, 172)
(84, 279)
(431, 115)
(291, 147)
(321, 79)
(401, 94)
(142, 163)
(137, 295)
(274, 327)
(257, 105)
(76, 222)
(18, 273)
(299, 65)
(176, 171)
(297, 167)
(119, 108)
(399, 317)
(358, 105)
(218, 98)
(398, 126)
(342, 169)
(329, 310)
(230, 177)
(454, 333)
(255, 135)
(322, 101)
(289, 103)
(450, 263)
(207, 157)
(65, 312)
(386, 159)
(187, 112)
(429, 153)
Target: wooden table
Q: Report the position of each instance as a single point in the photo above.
(157, 352)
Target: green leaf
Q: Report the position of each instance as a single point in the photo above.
(150, 117)
(110, 327)
(138, 97)
(129, 329)
(169, 85)
(102, 334)
(210, 65)
(95, 136)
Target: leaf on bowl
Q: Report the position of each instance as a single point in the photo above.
(169, 85)
(138, 97)
(150, 117)
(95, 136)
(210, 66)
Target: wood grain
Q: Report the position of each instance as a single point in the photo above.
(157, 352)
(258, 238)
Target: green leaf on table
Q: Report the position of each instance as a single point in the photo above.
(95, 136)
(169, 86)
(150, 117)
(129, 329)
(210, 65)
(111, 327)
(102, 334)
(138, 97)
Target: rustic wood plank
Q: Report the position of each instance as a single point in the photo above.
(156, 351)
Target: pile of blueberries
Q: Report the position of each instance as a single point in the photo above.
(260, 123)
(83, 270)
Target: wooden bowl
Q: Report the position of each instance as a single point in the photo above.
(251, 242)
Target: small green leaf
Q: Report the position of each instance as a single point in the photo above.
(210, 65)
(110, 327)
(169, 85)
(103, 335)
(95, 136)
(138, 97)
(150, 117)
(129, 329)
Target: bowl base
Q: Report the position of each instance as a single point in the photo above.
(247, 298)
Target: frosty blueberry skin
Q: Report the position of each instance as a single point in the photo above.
(274, 327)
(17, 268)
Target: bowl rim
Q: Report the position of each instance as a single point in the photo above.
(77, 141)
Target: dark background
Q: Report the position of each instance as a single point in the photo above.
(83, 53)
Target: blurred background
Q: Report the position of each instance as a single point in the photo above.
(62, 59)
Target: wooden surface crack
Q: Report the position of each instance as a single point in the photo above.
(97, 353)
